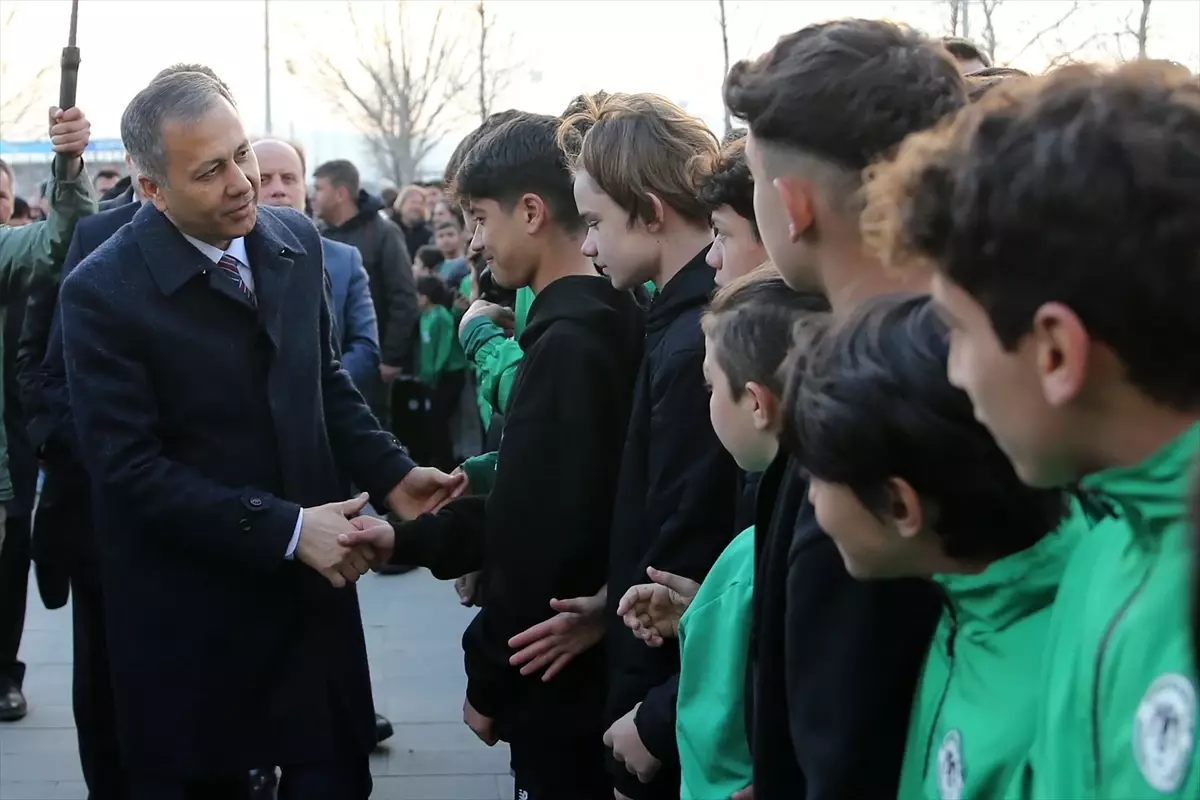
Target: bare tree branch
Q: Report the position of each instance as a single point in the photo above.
(492, 80)
(404, 99)
(1049, 29)
(725, 52)
(989, 28)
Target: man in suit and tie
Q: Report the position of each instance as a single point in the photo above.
(216, 429)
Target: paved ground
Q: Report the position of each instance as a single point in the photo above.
(413, 624)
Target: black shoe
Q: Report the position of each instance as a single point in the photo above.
(396, 569)
(383, 729)
(12, 701)
(263, 783)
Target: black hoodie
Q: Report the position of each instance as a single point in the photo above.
(834, 662)
(543, 530)
(675, 512)
(393, 291)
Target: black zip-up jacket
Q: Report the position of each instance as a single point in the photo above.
(389, 270)
(543, 530)
(834, 661)
(675, 511)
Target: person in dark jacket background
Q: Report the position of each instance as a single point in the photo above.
(543, 531)
(351, 216)
(834, 662)
(678, 485)
(409, 212)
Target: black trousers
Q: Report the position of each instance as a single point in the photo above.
(91, 695)
(560, 769)
(14, 588)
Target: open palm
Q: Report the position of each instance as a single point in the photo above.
(653, 610)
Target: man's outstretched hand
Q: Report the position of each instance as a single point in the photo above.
(375, 535)
(554, 643)
(423, 490)
(320, 547)
(653, 610)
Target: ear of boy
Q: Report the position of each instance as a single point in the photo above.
(796, 196)
(766, 407)
(1063, 353)
(907, 516)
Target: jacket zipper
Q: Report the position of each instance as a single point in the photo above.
(1108, 633)
(937, 715)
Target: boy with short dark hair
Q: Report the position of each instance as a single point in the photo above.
(836, 661)
(729, 195)
(448, 237)
(441, 367)
(428, 261)
(637, 181)
(1061, 217)
(908, 484)
(542, 531)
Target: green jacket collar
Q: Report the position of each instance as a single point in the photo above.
(1013, 587)
(1153, 494)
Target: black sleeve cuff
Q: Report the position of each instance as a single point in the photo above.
(655, 721)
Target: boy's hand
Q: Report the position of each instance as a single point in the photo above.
(554, 643)
(627, 747)
(482, 308)
(653, 610)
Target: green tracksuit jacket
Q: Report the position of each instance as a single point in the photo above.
(714, 641)
(439, 349)
(973, 715)
(39, 248)
(1118, 712)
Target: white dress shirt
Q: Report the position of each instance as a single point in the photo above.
(237, 251)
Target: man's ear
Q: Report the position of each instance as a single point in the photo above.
(1062, 348)
(904, 508)
(152, 192)
(533, 212)
(766, 406)
(655, 225)
(796, 197)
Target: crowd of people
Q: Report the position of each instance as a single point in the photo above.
(847, 456)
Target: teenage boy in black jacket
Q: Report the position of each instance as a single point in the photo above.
(637, 185)
(543, 530)
(834, 662)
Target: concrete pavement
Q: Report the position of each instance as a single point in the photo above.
(413, 627)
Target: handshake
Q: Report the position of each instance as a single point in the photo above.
(341, 545)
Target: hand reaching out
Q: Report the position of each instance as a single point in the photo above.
(376, 535)
(423, 490)
(653, 610)
(554, 643)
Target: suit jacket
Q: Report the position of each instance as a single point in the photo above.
(353, 314)
(63, 532)
(206, 424)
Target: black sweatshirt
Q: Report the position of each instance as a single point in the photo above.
(675, 511)
(834, 662)
(543, 530)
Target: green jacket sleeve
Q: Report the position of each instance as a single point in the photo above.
(495, 358)
(41, 247)
(481, 473)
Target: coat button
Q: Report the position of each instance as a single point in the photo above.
(245, 523)
(256, 502)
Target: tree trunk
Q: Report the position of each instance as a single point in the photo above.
(725, 52)
(1143, 30)
(483, 92)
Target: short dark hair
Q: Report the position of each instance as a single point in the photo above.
(106, 173)
(1078, 187)
(965, 50)
(449, 224)
(847, 91)
(521, 156)
(751, 323)
(340, 173)
(389, 195)
(731, 184)
(429, 256)
(433, 287)
(470, 140)
(874, 403)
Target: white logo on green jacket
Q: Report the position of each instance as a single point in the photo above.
(951, 783)
(1164, 732)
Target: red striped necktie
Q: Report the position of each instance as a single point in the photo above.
(229, 268)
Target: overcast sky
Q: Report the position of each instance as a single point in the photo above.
(560, 48)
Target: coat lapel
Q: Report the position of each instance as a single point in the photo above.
(271, 248)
